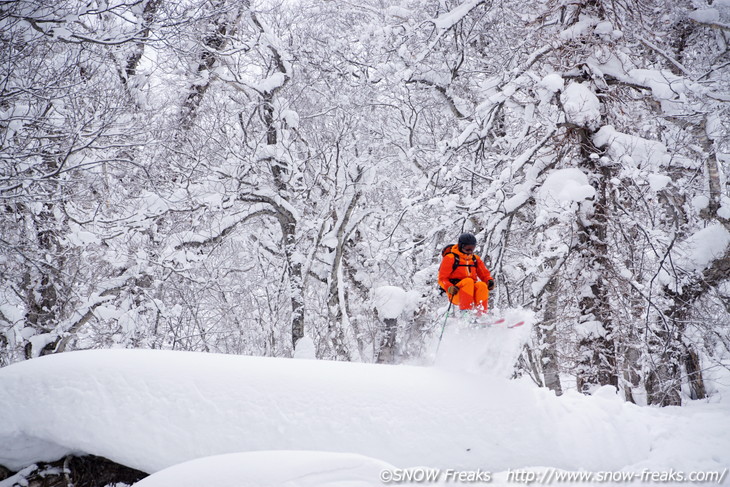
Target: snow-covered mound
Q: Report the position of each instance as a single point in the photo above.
(273, 469)
(153, 409)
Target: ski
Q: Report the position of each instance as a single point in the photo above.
(492, 323)
(482, 321)
(500, 321)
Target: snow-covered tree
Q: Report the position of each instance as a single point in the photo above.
(233, 176)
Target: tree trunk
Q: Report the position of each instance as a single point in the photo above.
(42, 280)
(597, 349)
(547, 335)
(214, 42)
(386, 350)
(337, 298)
(632, 366)
(694, 373)
(666, 347)
(297, 286)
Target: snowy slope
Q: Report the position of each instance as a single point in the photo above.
(156, 409)
(152, 409)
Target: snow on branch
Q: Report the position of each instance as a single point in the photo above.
(445, 22)
(666, 56)
(390, 301)
(540, 285)
(621, 146)
(282, 207)
(523, 193)
(666, 87)
(282, 60)
(700, 250)
(451, 18)
(709, 17)
(59, 28)
(67, 329)
(444, 93)
(281, 56)
(228, 226)
(702, 261)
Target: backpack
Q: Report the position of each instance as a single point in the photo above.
(446, 251)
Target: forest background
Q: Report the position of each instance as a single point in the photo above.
(235, 176)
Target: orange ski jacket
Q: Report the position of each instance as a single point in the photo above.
(467, 266)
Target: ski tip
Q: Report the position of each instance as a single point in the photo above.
(519, 323)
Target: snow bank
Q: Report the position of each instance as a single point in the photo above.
(272, 468)
(153, 409)
(305, 349)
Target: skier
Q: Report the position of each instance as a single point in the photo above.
(464, 277)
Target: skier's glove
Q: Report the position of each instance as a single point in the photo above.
(452, 290)
(490, 284)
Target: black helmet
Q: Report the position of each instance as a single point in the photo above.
(467, 239)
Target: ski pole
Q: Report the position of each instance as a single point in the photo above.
(446, 318)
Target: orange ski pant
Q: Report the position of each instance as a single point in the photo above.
(472, 295)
